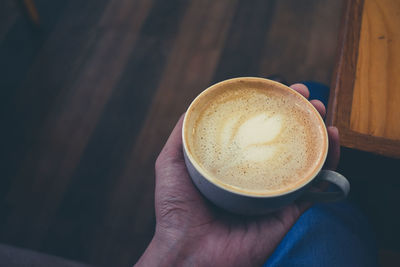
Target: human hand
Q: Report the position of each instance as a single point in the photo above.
(192, 231)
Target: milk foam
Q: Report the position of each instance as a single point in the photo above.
(256, 140)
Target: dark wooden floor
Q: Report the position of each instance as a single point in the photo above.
(89, 97)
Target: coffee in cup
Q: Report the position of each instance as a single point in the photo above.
(254, 137)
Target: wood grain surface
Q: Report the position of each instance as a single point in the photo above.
(367, 99)
(376, 98)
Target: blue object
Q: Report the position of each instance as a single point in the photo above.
(318, 91)
(328, 235)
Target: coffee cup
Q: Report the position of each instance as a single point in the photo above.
(252, 146)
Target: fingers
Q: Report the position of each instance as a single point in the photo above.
(333, 134)
(319, 106)
(173, 147)
(288, 215)
(301, 88)
(303, 205)
(332, 159)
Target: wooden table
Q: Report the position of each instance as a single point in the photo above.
(365, 97)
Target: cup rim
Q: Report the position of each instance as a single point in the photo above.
(230, 189)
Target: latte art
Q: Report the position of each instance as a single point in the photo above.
(254, 139)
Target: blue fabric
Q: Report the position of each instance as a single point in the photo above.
(334, 234)
(318, 91)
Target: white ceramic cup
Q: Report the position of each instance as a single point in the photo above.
(246, 203)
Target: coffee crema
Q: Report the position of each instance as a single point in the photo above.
(255, 139)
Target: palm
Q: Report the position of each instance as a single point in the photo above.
(226, 239)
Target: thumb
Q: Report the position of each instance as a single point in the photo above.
(172, 150)
(170, 165)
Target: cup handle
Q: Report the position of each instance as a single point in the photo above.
(335, 178)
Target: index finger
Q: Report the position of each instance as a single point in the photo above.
(301, 88)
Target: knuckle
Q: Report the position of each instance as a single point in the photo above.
(171, 211)
(158, 163)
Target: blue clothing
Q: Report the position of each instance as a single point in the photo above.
(334, 234)
(318, 91)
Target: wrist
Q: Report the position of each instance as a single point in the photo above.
(168, 250)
